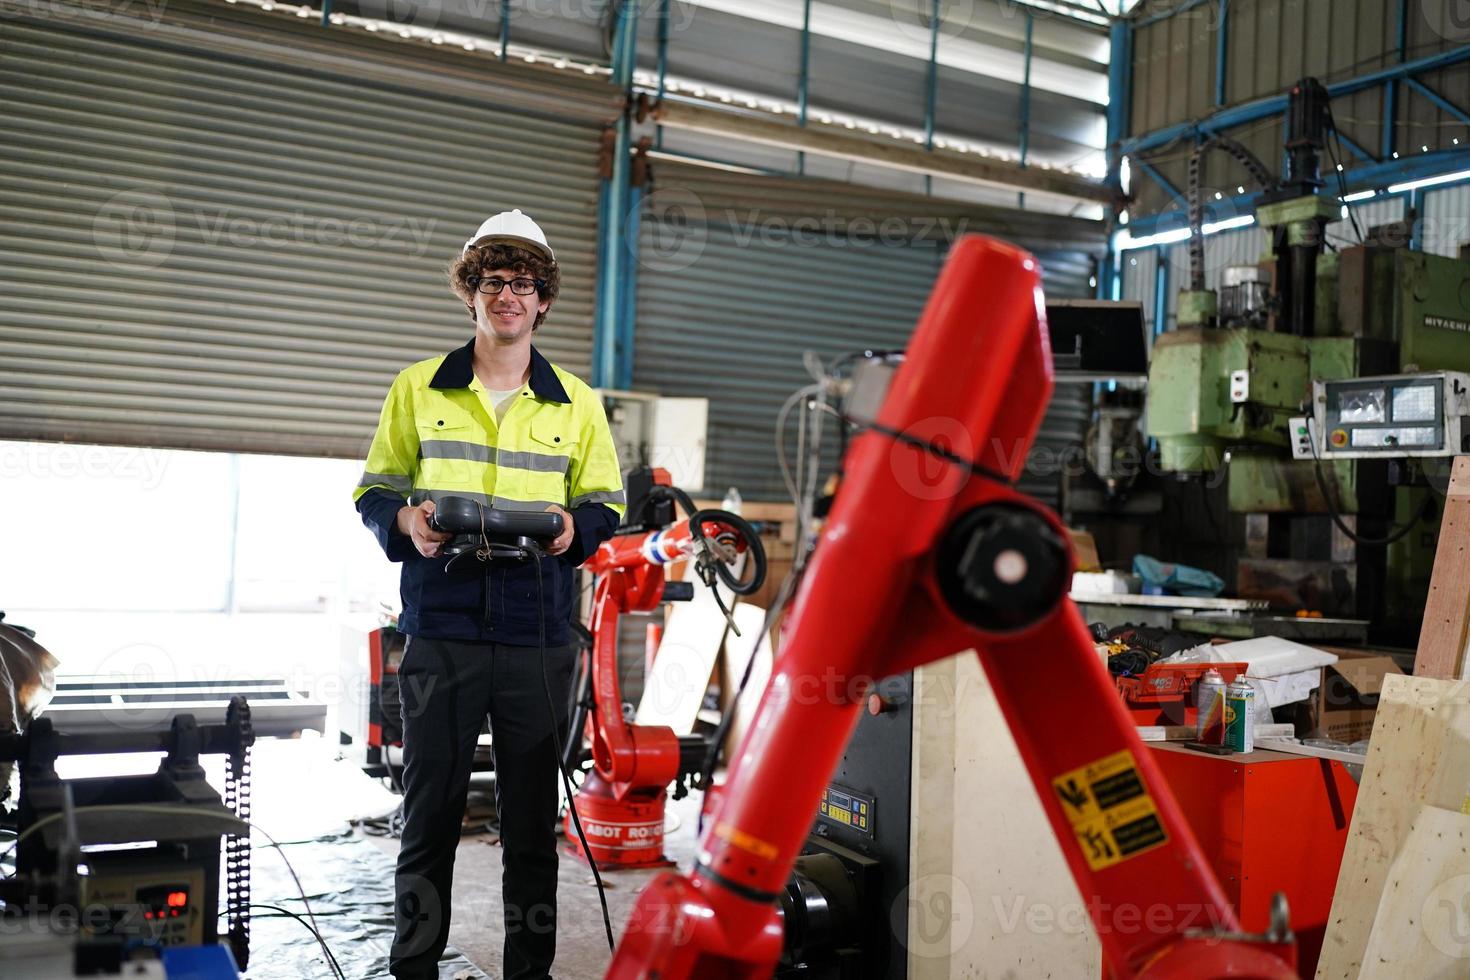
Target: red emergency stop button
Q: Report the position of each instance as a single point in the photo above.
(1339, 438)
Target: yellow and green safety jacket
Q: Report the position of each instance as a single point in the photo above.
(437, 437)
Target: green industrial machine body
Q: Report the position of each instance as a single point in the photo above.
(1386, 298)
(1379, 311)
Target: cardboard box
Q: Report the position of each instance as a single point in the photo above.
(1348, 696)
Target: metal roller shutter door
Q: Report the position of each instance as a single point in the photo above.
(198, 250)
(728, 306)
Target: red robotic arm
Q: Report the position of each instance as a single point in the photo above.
(622, 801)
(930, 550)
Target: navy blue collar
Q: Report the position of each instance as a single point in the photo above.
(458, 369)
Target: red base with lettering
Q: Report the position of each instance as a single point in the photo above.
(627, 833)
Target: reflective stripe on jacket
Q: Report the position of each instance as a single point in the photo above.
(437, 436)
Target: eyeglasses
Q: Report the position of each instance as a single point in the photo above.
(521, 285)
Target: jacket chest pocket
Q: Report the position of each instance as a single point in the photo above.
(553, 435)
(452, 449)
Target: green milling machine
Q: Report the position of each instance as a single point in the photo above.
(1328, 387)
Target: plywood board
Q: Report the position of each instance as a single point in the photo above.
(1422, 927)
(1419, 756)
(738, 651)
(686, 657)
(1446, 629)
(990, 894)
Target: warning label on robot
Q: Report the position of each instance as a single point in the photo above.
(1111, 813)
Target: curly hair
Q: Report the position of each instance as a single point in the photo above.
(484, 258)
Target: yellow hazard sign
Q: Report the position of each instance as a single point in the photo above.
(1111, 813)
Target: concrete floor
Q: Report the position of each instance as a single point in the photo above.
(582, 952)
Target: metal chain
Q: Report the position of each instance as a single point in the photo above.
(1259, 175)
(237, 846)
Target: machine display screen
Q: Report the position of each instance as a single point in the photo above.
(1389, 416)
(1361, 406)
(1415, 403)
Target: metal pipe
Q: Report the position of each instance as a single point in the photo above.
(803, 83)
(504, 28)
(932, 87)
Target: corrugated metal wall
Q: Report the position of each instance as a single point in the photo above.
(1446, 220)
(731, 293)
(1140, 278)
(869, 58)
(1270, 45)
(202, 251)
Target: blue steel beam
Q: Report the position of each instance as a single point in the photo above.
(1356, 150)
(1439, 100)
(1120, 54)
(326, 13)
(1183, 8)
(612, 335)
(1377, 176)
(663, 63)
(1221, 50)
(504, 28)
(1160, 179)
(1277, 104)
(627, 312)
(1161, 290)
(1391, 88)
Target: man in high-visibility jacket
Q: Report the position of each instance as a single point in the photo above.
(497, 422)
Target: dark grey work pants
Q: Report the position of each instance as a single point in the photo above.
(448, 687)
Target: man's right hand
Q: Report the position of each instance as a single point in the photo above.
(414, 522)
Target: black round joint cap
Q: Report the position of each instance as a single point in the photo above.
(1003, 567)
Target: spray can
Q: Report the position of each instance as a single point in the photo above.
(1211, 688)
(1240, 716)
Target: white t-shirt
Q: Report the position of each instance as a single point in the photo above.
(502, 399)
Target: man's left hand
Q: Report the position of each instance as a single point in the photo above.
(562, 541)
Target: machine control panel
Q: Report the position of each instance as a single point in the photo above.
(1393, 415)
(848, 809)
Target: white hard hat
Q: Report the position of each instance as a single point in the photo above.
(512, 227)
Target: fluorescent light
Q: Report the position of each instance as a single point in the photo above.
(1429, 182)
(1241, 221)
(1126, 241)
(1359, 196)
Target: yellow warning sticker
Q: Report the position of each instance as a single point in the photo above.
(1110, 811)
